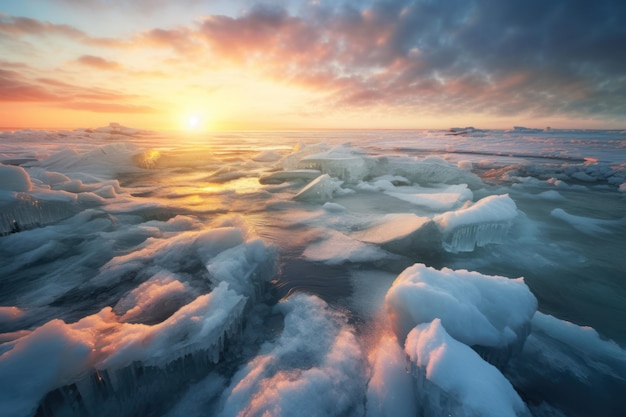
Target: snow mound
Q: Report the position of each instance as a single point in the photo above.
(489, 313)
(14, 178)
(451, 379)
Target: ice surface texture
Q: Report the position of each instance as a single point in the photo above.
(490, 313)
(157, 336)
(487, 221)
(479, 390)
(314, 367)
(136, 265)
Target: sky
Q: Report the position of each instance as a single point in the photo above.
(238, 64)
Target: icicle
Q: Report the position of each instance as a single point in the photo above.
(465, 238)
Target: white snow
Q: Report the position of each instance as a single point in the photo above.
(476, 309)
(478, 390)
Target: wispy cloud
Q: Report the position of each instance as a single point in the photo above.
(107, 107)
(98, 62)
(23, 26)
(15, 87)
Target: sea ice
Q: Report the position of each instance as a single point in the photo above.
(587, 225)
(435, 199)
(487, 221)
(571, 367)
(390, 390)
(336, 248)
(13, 178)
(320, 189)
(57, 354)
(400, 233)
(426, 172)
(279, 177)
(344, 162)
(153, 300)
(489, 313)
(452, 379)
(313, 367)
(267, 156)
(101, 163)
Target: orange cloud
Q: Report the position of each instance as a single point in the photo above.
(107, 107)
(98, 62)
(13, 87)
(20, 26)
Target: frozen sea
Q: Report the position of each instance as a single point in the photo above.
(313, 273)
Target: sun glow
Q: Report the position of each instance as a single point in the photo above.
(193, 122)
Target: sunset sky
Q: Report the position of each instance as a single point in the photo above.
(219, 64)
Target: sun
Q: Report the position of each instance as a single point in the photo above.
(193, 122)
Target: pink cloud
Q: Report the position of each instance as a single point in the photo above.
(100, 107)
(98, 62)
(20, 26)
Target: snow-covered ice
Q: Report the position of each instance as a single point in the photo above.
(347, 273)
(490, 313)
(480, 389)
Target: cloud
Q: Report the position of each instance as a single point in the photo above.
(136, 5)
(107, 107)
(24, 26)
(16, 87)
(481, 56)
(98, 62)
(13, 87)
(488, 57)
